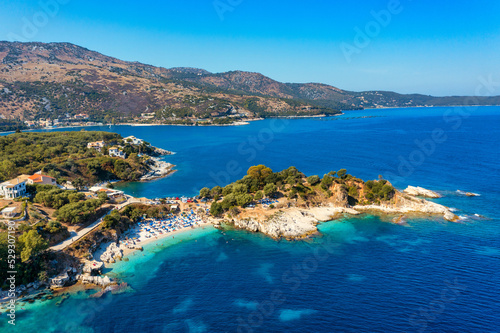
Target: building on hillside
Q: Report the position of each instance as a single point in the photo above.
(98, 145)
(81, 116)
(14, 188)
(133, 140)
(117, 152)
(9, 212)
(112, 194)
(40, 179)
(149, 115)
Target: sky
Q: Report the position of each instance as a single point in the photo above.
(409, 46)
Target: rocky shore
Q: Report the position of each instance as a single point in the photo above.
(158, 169)
(161, 151)
(408, 204)
(292, 223)
(421, 192)
(299, 223)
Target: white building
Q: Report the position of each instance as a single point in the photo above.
(117, 152)
(9, 212)
(98, 145)
(13, 188)
(133, 140)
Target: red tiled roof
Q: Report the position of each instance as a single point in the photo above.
(39, 178)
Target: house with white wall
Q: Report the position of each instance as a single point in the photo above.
(133, 140)
(98, 145)
(117, 152)
(14, 188)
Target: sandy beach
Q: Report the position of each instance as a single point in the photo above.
(161, 237)
(149, 231)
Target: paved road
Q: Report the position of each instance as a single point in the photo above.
(75, 236)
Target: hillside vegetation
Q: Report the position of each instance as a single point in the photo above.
(65, 156)
(337, 187)
(61, 80)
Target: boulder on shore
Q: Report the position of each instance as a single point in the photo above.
(421, 192)
(93, 267)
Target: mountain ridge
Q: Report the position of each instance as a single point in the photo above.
(61, 80)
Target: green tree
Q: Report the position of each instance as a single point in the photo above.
(313, 180)
(43, 276)
(204, 192)
(216, 192)
(227, 190)
(387, 191)
(31, 244)
(111, 220)
(75, 197)
(353, 191)
(243, 199)
(135, 215)
(103, 197)
(270, 190)
(342, 173)
(259, 172)
(259, 195)
(7, 170)
(79, 183)
(4, 252)
(216, 209)
(240, 189)
(94, 167)
(229, 201)
(326, 182)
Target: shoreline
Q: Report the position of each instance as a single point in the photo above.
(128, 251)
(247, 121)
(148, 231)
(423, 106)
(307, 220)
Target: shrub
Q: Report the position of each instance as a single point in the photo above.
(204, 192)
(216, 191)
(313, 180)
(216, 209)
(243, 199)
(270, 190)
(258, 195)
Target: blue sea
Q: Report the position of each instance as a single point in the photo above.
(363, 274)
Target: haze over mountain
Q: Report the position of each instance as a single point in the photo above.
(54, 80)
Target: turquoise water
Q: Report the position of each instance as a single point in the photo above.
(363, 275)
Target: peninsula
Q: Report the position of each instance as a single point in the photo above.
(285, 204)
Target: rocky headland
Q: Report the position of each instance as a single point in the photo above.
(299, 223)
(295, 208)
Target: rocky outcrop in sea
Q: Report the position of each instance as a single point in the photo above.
(421, 192)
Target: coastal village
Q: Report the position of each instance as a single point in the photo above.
(32, 205)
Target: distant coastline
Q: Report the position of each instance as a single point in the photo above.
(245, 121)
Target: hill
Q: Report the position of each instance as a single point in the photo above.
(66, 156)
(69, 83)
(61, 80)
